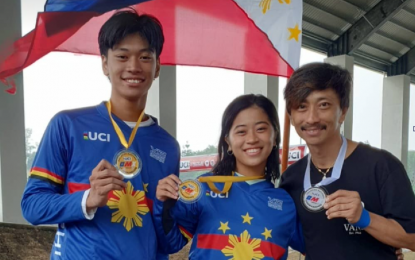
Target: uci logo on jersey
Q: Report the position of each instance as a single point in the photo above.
(216, 195)
(93, 136)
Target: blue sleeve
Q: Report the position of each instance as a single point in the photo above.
(175, 223)
(297, 239)
(44, 201)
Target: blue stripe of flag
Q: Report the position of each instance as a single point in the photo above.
(100, 6)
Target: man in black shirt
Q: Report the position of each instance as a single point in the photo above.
(354, 201)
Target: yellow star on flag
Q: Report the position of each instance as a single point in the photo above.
(247, 218)
(267, 233)
(223, 227)
(145, 185)
(294, 33)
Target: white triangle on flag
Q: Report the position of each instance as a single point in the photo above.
(281, 21)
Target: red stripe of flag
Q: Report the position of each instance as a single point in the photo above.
(272, 250)
(150, 204)
(74, 187)
(219, 242)
(214, 33)
(43, 39)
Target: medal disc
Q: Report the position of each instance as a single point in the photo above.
(128, 163)
(190, 191)
(313, 199)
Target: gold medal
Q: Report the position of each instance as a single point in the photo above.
(127, 161)
(190, 191)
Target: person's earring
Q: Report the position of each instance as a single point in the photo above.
(229, 152)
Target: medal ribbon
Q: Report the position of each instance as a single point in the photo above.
(118, 130)
(337, 168)
(228, 180)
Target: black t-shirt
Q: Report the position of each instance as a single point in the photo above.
(385, 189)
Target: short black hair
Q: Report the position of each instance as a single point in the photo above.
(227, 162)
(317, 76)
(127, 22)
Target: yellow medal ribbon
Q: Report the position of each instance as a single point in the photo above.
(228, 180)
(118, 130)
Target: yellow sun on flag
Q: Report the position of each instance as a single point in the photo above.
(243, 248)
(129, 204)
(266, 4)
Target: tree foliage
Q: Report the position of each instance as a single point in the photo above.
(187, 150)
(30, 149)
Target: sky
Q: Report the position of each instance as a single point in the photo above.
(61, 81)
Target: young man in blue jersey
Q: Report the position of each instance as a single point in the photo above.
(354, 201)
(235, 212)
(97, 168)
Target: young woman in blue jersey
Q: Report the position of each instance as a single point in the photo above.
(77, 176)
(252, 219)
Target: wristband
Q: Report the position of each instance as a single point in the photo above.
(364, 220)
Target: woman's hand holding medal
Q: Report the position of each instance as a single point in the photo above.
(168, 188)
(104, 179)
